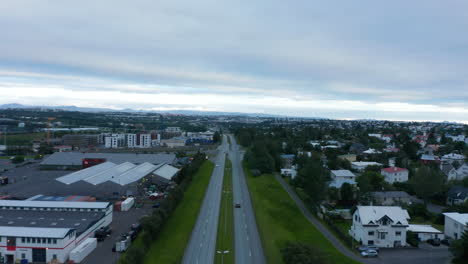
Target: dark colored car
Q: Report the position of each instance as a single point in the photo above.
(156, 205)
(237, 205)
(132, 234)
(102, 233)
(446, 241)
(136, 228)
(435, 242)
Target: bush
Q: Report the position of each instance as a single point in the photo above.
(411, 239)
(299, 253)
(18, 159)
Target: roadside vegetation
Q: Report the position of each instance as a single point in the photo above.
(167, 230)
(225, 237)
(22, 139)
(281, 222)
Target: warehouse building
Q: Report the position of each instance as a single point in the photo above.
(109, 179)
(41, 231)
(76, 160)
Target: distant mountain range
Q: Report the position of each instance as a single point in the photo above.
(128, 110)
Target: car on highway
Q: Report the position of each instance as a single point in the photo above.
(368, 247)
(369, 253)
(435, 242)
(237, 205)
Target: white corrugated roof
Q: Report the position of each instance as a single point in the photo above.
(166, 171)
(375, 213)
(54, 204)
(110, 173)
(82, 174)
(15, 231)
(134, 174)
(343, 173)
(423, 229)
(460, 218)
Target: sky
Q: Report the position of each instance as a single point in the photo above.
(366, 59)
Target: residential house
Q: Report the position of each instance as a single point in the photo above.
(362, 165)
(428, 159)
(391, 198)
(454, 157)
(381, 226)
(341, 176)
(455, 224)
(287, 160)
(395, 174)
(425, 232)
(289, 173)
(457, 195)
(456, 174)
(349, 157)
(371, 151)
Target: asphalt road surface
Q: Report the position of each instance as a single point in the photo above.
(248, 246)
(202, 245)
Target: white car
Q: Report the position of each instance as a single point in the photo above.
(369, 253)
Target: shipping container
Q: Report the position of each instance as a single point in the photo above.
(83, 250)
(127, 204)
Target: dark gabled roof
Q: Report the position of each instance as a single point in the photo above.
(458, 192)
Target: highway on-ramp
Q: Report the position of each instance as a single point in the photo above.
(202, 245)
(248, 246)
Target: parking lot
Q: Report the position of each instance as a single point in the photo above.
(120, 224)
(425, 254)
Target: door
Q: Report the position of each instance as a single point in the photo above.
(39, 255)
(10, 259)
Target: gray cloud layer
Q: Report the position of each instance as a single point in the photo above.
(367, 51)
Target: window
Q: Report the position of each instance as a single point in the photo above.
(33, 240)
(370, 233)
(22, 240)
(28, 240)
(54, 256)
(55, 241)
(398, 233)
(382, 235)
(23, 256)
(49, 241)
(44, 240)
(370, 242)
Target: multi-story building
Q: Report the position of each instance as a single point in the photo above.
(41, 231)
(395, 174)
(131, 140)
(144, 141)
(381, 226)
(455, 224)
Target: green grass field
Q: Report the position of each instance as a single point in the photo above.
(279, 220)
(23, 139)
(170, 245)
(225, 239)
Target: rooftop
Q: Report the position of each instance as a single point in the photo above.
(48, 204)
(75, 158)
(394, 169)
(372, 214)
(460, 218)
(343, 173)
(423, 229)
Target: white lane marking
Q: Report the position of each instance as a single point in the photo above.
(250, 253)
(247, 237)
(201, 244)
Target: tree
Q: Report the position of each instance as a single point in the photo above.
(370, 181)
(427, 182)
(216, 137)
(347, 193)
(313, 179)
(459, 248)
(18, 159)
(299, 253)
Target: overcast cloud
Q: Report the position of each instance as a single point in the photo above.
(397, 60)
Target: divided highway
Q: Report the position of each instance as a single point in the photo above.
(248, 246)
(202, 245)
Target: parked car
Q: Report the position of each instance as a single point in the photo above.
(102, 233)
(156, 205)
(136, 228)
(446, 241)
(369, 253)
(237, 205)
(435, 242)
(364, 248)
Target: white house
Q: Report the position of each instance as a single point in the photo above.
(289, 172)
(395, 174)
(362, 165)
(341, 176)
(425, 232)
(381, 226)
(455, 224)
(458, 174)
(454, 157)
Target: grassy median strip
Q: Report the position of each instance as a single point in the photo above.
(225, 239)
(279, 220)
(170, 245)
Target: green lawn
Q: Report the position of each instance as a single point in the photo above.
(23, 139)
(171, 242)
(279, 220)
(225, 239)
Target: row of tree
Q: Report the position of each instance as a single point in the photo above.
(153, 224)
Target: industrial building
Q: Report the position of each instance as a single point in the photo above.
(109, 179)
(41, 231)
(76, 160)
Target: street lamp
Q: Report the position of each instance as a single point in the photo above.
(222, 254)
